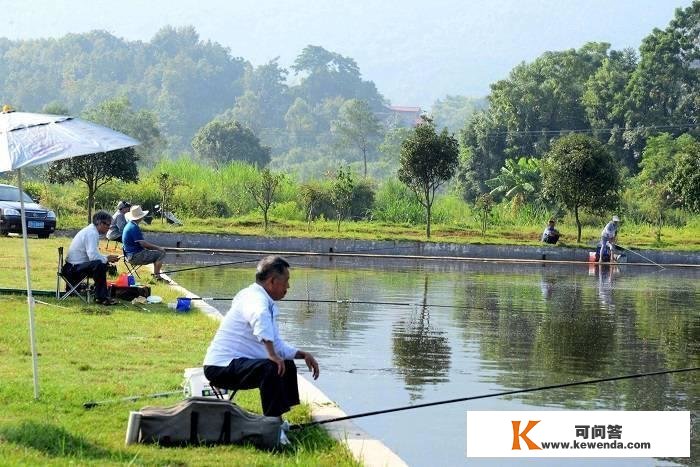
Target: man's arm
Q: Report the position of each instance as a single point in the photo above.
(149, 245)
(272, 355)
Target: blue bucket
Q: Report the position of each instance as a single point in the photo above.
(183, 304)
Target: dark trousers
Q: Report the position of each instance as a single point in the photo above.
(96, 270)
(278, 394)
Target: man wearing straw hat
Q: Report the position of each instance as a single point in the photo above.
(138, 250)
(247, 351)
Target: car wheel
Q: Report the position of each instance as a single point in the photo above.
(44, 235)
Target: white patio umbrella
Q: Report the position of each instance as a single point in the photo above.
(28, 139)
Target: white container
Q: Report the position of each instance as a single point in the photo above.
(197, 385)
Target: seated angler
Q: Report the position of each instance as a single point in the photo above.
(137, 250)
(550, 234)
(118, 222)
(247, 351)
(84, 259)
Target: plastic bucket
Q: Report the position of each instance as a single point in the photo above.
(591, 256)
(183, 304)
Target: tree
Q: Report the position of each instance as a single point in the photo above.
(484, 205)
(341, 194)
(519, 179)
(358, 126)
(427, 161)
(604, 100)
(263, 191)
(95, 170)
(222, 141)
(685, 180)
(328, 74)
(167, 185)
(482, 154)
(653, 183)
(453, 112)
(581, 174)
(664, 88)
(300, 122)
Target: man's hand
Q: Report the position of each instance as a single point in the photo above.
(272, 355)
(312, 364)
(112, 258)
(280, 364)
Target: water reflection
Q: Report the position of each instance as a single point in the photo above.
(421, 351)
(512, 327)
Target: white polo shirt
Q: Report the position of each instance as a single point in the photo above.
(84, 246)
(251, 319)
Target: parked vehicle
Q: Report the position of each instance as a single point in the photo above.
(40, 220)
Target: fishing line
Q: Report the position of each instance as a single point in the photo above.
(641, 255)
(484, 396)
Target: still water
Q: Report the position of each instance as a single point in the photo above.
(469, 329)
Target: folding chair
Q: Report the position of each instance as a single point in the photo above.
(80, 287)
(131, 268)
(116, 242)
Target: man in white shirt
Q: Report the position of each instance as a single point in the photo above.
(84, 258)
(607, 239)
(247, 350)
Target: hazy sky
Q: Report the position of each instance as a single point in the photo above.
(414, 50)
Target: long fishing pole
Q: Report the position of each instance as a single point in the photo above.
(348, 302)
(484, 396)
(291, 255)
(91, 404)
(211, 266)
(641, 255)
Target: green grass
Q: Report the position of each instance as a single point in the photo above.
(686, 238)
(93, 353)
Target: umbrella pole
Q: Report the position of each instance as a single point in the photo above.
(30, 298)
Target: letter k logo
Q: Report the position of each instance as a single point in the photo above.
(517, 434)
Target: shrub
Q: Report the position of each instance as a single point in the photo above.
(395, 203)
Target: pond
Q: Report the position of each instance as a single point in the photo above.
(464, 329)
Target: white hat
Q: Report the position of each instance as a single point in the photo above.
(614, 219)
(136, 213)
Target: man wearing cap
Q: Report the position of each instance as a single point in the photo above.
(247, 351)
(609, 233)
(118, 222)
(608, 237)
(138, 250)
(84, 259)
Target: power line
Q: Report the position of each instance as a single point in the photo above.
(545, 132)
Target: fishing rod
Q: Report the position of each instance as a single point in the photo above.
(291, 255)
(641, 255)
(485, 396)
(345, 301)
(91, 404)
(211, 266)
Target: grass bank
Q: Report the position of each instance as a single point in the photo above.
(89, 353)
(642, 236)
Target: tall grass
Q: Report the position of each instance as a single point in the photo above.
(216, 200)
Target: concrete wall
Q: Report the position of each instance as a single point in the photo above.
(288, 244)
